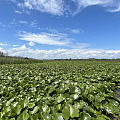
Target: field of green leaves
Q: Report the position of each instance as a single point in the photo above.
(65, 90)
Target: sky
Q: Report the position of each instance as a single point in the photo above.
(60, 29)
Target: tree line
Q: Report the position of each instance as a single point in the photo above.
(2, 54)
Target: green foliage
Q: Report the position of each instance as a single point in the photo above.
(23, 116)
(65, 90)
(15, 60)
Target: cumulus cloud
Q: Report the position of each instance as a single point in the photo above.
(61, 7)
(59, 39)
(52, 38)
(17, 49)
(63, 53)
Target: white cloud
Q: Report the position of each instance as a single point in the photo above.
(54, 7)
(19, 51)
(22, 48)
(23, 22)
(31, 43)
(18, 12)
(63, 53)
(109, 4)
(15, 45)
(117, 8)
(59, 39)
(2, 50)
(75, 31)
(33, 24)
(53, 38)
(3, 44)
(86, 3)
(79, 45)
(60, 7)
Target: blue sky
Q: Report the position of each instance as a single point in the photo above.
(48, 29)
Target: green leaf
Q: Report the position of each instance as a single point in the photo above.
(1, 115)
(115, 103)
(90, 98)
(23, 116)
(66, 112)
(35, 110)
(57, 116)
(12, 119)
(82, 104)
(26, 101)
(31, 105)
(85, 116)
(46, 116)
(75, 96)
(100, 118)
(33, 117)
(111, 108)
(85, 93)
(90, 110)
(58, 107)
(9, 102)
(74, 112)
(60, 98)
(45, 109)
(18, 109)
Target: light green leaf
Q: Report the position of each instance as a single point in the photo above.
(85, 116)
(23, 116)
(74, 112)
(35, 110)
(60, 99)
(18, 109)
(66, 112)
(31, 105)
(46, 116)
(58, 116)
(45, 109)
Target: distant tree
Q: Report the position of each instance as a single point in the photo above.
(26, 58)
(92, 58)
(2, 54)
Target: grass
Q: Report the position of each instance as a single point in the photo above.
(17, 60)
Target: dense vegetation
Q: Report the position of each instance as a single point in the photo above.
(17, 60)
(64, 90)
(5, 59)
